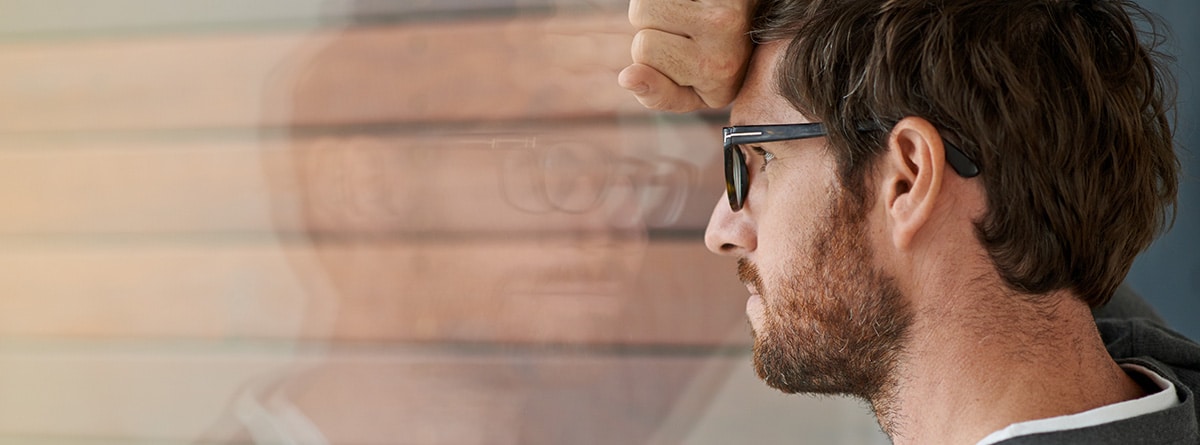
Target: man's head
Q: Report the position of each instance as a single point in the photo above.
(1061, 103)
(1058, 103)
(826, 319)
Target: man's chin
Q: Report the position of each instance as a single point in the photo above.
(791, 372)
(770, 373)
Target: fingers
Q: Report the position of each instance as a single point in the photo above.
(688, 54)
(658, 92)
(670, 54)
(714, 73)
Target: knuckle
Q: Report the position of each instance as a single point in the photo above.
(718, 99)
(725, 20)
(725, 69)
(721, 71)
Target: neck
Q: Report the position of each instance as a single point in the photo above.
(977, 365)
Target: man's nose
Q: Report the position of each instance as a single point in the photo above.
(730, 233)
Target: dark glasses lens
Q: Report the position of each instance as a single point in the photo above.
(736, 177)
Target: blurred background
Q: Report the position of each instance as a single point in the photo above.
(386, 222)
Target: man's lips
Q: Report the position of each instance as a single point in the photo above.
(755, 309)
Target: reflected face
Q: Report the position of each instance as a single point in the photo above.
(826, 319)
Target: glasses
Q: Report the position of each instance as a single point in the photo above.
(737, 178)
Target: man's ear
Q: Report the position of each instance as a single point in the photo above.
(911, 178)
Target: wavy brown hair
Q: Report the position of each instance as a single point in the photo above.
(1064, 105)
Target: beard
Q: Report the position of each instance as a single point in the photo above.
(837, 326)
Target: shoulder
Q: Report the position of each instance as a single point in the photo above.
(1127, 303)
(1166, 352)
(1134, 338)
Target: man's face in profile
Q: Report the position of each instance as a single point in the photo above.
(826, 319)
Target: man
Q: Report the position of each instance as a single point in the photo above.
(927, 197)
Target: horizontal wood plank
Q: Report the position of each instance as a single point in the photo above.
(400, 396)
(358, 398)
(583, 291)
(523, 68)
(409, 397)
(60, 19)
(602, 177)
(429, 227)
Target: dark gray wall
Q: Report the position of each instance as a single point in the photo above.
(1168, 274)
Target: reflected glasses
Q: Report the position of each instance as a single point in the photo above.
(737, 177)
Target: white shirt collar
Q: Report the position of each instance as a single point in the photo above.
(1161, 400)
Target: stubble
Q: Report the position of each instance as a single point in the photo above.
(837, 324)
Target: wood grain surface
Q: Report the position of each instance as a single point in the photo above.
(354, 222)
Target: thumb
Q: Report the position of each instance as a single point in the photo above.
(656, 91)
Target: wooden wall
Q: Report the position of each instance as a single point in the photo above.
(361, 222)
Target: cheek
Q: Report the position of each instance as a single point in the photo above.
(794, 209)
(776, 254)
(784, 233)
(802, 184)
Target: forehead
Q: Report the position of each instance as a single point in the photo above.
(758, 102)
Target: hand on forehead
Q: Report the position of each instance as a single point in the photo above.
(688, 55)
